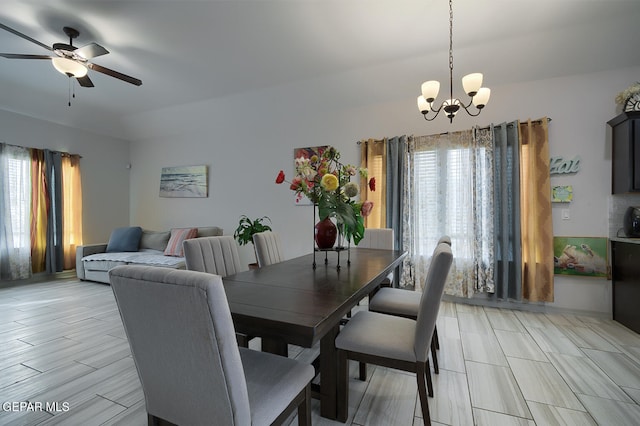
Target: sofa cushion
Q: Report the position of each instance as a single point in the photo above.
(103, 265)
(124, 239)
(154, 240)
(209, 231)
(106, 261)
(178, 235)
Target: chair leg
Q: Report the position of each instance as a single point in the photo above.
(157, 421)
(435, 337)
(342, 391)
(243, 340)
(422, 371)
(363, 371)
(427, 374)
(434, 357)
(304, 409)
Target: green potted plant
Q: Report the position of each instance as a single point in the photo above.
(247, 227)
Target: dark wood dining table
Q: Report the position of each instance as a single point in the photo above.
(292, 303)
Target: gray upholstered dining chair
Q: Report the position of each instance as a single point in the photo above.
(392, 341)
(379, 238)
(215, 255)
(376, 238)
(268, 248)
(405, 303)
(182, 339)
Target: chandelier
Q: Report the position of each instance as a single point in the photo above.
(479, 96)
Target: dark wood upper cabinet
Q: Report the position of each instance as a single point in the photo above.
(625, 161)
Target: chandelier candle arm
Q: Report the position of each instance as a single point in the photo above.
(471, 83)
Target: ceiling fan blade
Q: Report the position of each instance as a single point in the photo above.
(115, 74)
(85, 81)
(24, 36)
(20, 56)
(91, 50)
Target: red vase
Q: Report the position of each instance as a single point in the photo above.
(326, 233)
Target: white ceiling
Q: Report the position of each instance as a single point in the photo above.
(186, 51)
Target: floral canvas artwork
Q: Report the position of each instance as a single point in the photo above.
(184, 182)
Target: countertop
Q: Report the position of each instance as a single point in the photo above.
(626, 240)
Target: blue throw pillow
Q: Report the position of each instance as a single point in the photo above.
(124, 239)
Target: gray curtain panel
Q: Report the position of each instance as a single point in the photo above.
(396, 163)
(508, 281)
(54, 254)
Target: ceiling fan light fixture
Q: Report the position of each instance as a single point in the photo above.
(69, 67)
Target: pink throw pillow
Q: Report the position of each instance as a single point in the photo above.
(178, 235)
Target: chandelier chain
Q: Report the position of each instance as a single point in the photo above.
(451, 49)
(451, 35)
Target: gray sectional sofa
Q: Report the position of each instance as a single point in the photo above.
(152, 248)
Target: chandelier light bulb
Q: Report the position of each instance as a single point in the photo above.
(482, 97)
(472, 83)
(430, 90)
(423, 105)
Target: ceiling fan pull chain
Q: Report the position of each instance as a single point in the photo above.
(69, 93)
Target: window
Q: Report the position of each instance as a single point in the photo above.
(15, 204)
(442, 178)
(40, 211)
(376, 218)
(19, 200)
(450, 193)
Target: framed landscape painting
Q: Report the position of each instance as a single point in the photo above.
(580, 256)
(184, 182)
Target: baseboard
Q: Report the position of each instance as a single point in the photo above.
(41, 277)
(540, 307)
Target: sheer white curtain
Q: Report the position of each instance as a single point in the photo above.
(15, 205)
(449, 191)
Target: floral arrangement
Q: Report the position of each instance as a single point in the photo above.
(327, 183)
(623, 96)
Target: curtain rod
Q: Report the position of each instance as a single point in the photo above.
(63, 153)
(500, 125)
(374, 141)
(445, 133)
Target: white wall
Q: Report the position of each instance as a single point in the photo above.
(105, 178)
(246, 139)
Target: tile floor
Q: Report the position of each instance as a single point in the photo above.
(63, 342)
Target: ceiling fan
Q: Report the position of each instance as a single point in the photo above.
(71, 60)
